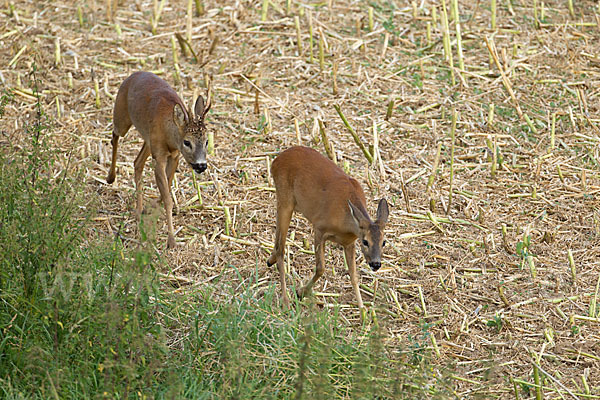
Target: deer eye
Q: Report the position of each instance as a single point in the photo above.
(187, 143)
(365, 243)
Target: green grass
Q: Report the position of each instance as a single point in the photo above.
(245, 348)
(83, 316)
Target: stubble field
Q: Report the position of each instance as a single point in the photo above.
(493, 257)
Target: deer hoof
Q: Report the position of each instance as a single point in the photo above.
(171, 242)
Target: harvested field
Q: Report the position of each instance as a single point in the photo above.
(489, 159)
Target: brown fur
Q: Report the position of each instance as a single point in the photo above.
(333, 202)
(154, 108)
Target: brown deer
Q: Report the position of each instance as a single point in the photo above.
(334, 203)
(168, 129)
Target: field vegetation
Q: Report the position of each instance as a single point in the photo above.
(478, 121)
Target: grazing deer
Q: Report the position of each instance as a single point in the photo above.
(168, 129)
(334, 203)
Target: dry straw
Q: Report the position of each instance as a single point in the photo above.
(456, 278)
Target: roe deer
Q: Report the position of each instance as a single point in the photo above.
(334, 203)
(155, 109)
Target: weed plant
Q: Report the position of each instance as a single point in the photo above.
(77, 319)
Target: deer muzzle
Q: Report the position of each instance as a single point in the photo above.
(199, 167)
(375, 265)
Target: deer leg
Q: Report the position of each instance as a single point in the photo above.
(351, 260)
(165, 193)
(284, 216)
(320, 267)
(121, 124)
(112, 173)
(138, 165)
(172, 163)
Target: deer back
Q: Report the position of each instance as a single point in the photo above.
(319, 188)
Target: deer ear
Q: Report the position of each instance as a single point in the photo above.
(199, 107)
(179, 116)
(360, 218)
(382, 212)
